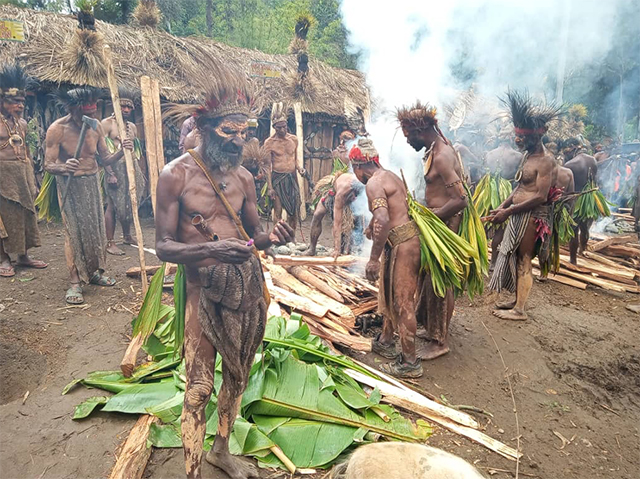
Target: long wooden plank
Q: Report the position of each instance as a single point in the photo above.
(345, 260)
(622, 251)
(297, 113)
(160, 162)
(135, 271)
(584, 268)
(131, 172)
(148, 112)
(563, 280)
(604, 284)
(134, 455)
(297, 302)
(357, 343)
(304, 275)
(613, 240)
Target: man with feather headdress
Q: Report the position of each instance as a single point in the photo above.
(116, 180)
(226, 299)
(83, 213)
(446, 196)
(18, 219)
(529, 208)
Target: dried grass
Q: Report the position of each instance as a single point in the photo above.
(145, 51)
(147, 14)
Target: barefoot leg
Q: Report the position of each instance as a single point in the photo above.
(316, 228)
(405, 279)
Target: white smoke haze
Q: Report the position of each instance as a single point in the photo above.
(414, 49)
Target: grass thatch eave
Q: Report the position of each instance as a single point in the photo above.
(146, 51)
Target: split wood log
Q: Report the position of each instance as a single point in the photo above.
(438, 413)
(604, 260)
(134, 455)
(285, 260)
(622, 251)
(150, 131)
(297, 113)
(358, 281)
(329, 323)
(304, 275)
(602, 283)
(348, 322)
(274, 307)
(623, 216)
(131, 172)
(128, 363)
(155, 95)
(562, 280)
(613, 240)
(366, 307)
(135, 271)
(592, 262)
(281, 277)
(356, 343)
(586, 269)
(297, 302)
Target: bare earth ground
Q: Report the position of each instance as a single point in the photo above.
(574, 366)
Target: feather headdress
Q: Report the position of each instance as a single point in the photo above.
(418, 115)
(364, 152)
(14, 82)
(78, 97)
(279, 113)
(529, 117)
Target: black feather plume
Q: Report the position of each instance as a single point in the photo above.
(68, 99)
(14, 76)
(527, 114)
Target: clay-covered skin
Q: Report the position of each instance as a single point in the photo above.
(504, 160)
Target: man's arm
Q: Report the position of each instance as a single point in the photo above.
(169, 190)
(380, 220)
(104, 157)
(52, 152)
(457, 195)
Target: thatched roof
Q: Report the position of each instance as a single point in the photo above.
(145, 51)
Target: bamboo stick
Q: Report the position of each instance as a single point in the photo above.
(133, 458)
(131, 174)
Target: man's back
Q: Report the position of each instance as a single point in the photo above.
(583, 167)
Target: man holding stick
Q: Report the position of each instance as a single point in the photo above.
(118, 199)
(528, 232)
(78, 186)
(18, 218)
(226, 307)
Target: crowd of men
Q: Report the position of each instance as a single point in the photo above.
(226, 306)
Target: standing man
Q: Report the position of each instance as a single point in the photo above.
(585, 169)
(281, 175)
(18, 218)
(342, 150)
(83, 213)
(396, 238)
(226, 311)
(117, 181)
(446, 196)
(528, 232)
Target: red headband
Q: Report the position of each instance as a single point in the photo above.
(89, 106)
(356, 156)
(530, 131)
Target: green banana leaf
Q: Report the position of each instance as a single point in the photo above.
(149, 316)
(137, 398)
(85, 408)
(164, 435)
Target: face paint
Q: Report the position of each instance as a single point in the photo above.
(229, 129)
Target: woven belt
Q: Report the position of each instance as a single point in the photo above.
(402, 233)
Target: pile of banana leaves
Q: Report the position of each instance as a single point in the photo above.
(445, 256)
(299, 401)
(591, 204)
(472, 230)
(47, 199)
(491, 191)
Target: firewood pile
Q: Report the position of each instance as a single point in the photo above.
(325, 293)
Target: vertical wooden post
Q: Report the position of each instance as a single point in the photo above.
(131, 173)
(297, 111)
(148, 113)
(155, 85)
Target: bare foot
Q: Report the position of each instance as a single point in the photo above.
(235, 467)
(309, 252)
(128, 239)
(431, 350)
(511, 314)
(506, 304)
(113, 249)
(422, 333)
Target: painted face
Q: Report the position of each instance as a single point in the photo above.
(281, 129)
(127, 109)
(414, 138)
(13, 106)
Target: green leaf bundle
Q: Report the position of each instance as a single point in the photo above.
(491, 191)
(591, 204)
(472, 231)
(47, 199)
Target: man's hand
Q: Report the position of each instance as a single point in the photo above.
(368, 233)
(499, 216)
(281, 234)
(372, 270)
(272, 194)
(72, 166)
(231, 250)
(127, 143)
(112, 180)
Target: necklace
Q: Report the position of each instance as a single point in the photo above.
(518, 176)
(428, 159)
(16, 141)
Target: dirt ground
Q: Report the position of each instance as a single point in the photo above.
(574, 367)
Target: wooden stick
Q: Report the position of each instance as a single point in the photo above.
(285, 260)
(279, 453)
(306, 276)
(297, 113)
(622, 251)
(155, 96)
(150, 132)
(131, 172)
(597, 270)
(134, 455)
(562, 279)
(613, 240)
(297, 302)
(357, 343)
(128, 363)
(135, 271)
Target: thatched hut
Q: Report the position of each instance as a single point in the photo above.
(146, 51)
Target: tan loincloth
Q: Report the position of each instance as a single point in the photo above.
(397, 236)
(119, 196)
(233, 315)
(83, 218)
(18, 213)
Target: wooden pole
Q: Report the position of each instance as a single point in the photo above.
(131, 173)
(134, 455)
(150, 132)
(297, 111)
(158, 119)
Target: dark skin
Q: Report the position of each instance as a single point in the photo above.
(110, 128)
(184, 191)
(344, 196)
(381, 183)
(446, 202)
(472, 164)
(12, 110)
(61, 141)
(539, 173)
(583, 167)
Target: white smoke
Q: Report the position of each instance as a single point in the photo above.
(412, 49)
